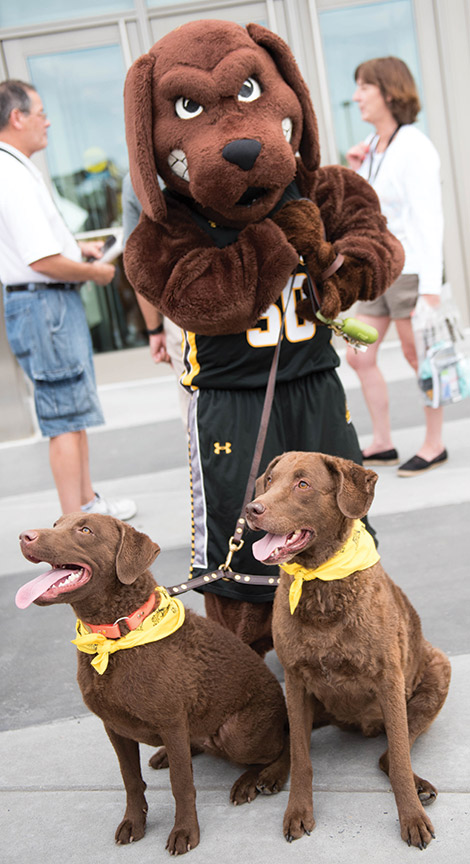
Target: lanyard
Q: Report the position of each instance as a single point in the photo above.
(372, 154)
(9, 153)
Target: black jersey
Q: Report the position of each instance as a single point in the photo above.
(243, 360)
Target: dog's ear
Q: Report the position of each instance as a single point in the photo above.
(280, 52)
(135, 554)
(138, 111)
(355, 486)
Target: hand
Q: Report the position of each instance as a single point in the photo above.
(432, 299)
(158, 350)
(91, 249)
(356, 155)
(302, 224)
(103, 274)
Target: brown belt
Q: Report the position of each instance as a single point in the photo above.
(34, 286)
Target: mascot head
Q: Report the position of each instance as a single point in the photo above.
(220, 113)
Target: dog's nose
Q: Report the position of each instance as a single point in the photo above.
(29, 536)
(242, 152)
(255, 508)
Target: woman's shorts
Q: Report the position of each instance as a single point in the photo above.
(398, 301)
(48, 333)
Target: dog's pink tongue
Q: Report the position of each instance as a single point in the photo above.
(29, 592)
(263, 548)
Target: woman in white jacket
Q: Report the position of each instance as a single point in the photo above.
(402, 165)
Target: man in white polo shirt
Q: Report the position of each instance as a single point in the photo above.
(41, 268)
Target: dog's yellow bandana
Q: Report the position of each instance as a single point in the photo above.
(162, 622)
(358, 553)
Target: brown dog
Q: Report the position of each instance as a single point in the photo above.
(198, 688)
(352, 649)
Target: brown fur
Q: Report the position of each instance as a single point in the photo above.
(170, 259)
(200, 688)
(353, 651)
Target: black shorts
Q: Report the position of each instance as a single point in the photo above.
(308, 414)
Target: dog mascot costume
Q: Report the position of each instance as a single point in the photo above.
(223, 116)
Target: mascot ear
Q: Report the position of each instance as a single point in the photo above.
(139, 128)
(284, 59)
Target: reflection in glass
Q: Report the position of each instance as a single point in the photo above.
(86, 154)
(87, 159)
(352, 35)
(21, 12)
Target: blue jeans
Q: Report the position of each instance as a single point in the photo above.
(48, 333)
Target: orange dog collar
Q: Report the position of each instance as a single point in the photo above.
(112, 631)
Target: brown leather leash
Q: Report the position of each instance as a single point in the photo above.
(224, 571)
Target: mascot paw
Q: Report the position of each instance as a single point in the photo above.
(302, 224)
(331, 304)
(336, 294)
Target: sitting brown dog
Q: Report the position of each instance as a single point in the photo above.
(198, 688)
(348, 638)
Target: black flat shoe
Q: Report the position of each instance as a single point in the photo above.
(385, 457)
(417, 465)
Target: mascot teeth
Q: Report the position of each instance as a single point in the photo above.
(287, 128)
(179, 164)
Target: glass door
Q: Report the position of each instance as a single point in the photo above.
(80, 77)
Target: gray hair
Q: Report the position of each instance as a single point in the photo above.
(14, 94)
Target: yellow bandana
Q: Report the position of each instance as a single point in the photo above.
(162, 622)
(358, 553)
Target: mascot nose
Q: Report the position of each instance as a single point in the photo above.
(242, 152)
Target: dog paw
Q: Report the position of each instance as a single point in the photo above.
(417, 830)
(427, 793)
(182, 840)
(269, 782)
(297, 823)
(244, 790)
(130, 830)
(159, 759)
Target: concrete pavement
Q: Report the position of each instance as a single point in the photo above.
(60, 785)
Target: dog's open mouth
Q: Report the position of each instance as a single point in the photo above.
(252, 194)
(279, 548)
(59, 580)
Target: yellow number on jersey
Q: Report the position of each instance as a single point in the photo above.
(294, 331)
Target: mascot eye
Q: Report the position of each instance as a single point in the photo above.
(249, 91)
(186, 109)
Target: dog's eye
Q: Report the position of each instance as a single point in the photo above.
(302, 484)
(269, 480)
(86, 530)
(186, 109)
(249, 91)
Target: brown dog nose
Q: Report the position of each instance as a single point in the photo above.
(29, 536)
(242, 152)
(255, 508)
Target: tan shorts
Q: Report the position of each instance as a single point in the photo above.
(398, 301)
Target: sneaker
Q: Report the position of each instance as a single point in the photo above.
(385, 457)
(417, 465)
(120, 508)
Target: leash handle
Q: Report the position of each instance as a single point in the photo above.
(356, 333)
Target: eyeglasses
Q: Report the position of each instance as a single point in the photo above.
(41, 114)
